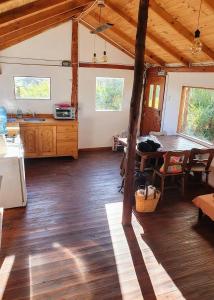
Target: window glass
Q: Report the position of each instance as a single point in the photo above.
(109, 94)
(151, 90)
(32, 88)
(197, 113)
(157, 96)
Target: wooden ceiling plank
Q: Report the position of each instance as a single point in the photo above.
(33, 8)
(6, 5)
(29, 19)
(33, 30)
(155, 58)
(210, 3)
(168, 48)
(176, 25)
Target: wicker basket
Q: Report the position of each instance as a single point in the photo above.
(147, 200)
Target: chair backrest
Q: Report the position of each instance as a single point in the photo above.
(175, 159)
(201, 156)
(158, 133)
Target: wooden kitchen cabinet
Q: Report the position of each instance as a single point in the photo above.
(47, 140)
(52, 138)
(29, 136)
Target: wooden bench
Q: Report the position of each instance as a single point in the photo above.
(205, 203)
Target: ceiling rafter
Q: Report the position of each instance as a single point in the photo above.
(155, 58)
(6, 5)
(36, 18)
(33, 8)
(176, 25)
(168, 48)
(35, 29)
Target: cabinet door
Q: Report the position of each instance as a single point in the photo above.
(29, 137)
(47, 140)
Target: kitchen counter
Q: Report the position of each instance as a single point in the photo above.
(45, 136)
(47, 121)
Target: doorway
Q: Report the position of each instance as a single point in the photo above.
(153, 104)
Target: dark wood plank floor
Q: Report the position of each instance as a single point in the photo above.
(69, 244)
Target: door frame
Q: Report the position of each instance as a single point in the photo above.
(152, 74)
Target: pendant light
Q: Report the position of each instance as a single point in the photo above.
(197, 45)
(94, 58)
(105, 57)
(99, 29)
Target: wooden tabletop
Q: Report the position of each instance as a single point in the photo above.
(168, 143)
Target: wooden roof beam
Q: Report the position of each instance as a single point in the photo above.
(155, 58)
(30, 31)
(43, 15)
(176, 25)
(6, 5)
(168, 48)
(34, 8)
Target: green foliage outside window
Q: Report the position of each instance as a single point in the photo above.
(32, 88)
(199, 114)
(109, 94)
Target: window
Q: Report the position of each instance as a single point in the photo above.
(154, 96)
(109, 94)
(32, 88)
(196, 117)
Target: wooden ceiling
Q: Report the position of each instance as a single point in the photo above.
(171, 25)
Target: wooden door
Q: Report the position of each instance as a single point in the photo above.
(47, 140)
(153, 104)
(29, 137)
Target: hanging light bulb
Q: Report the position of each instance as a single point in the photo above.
(105, 57)
(94, 58)
(197, 45)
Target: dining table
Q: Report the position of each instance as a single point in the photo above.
(167, 143)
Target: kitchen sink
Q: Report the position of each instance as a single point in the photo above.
(31, 120)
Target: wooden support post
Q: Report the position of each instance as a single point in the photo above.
(135, 110)
(75, 66)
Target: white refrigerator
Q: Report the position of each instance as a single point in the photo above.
(13, 187)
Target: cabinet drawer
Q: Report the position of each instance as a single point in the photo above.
(70, 128)
(66, 148)
(67, 136)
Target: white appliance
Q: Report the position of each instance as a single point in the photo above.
(13, 187)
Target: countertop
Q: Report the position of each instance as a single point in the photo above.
(47, 121)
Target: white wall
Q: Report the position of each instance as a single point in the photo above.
(99, 127)
(174, 84)
(48, 50)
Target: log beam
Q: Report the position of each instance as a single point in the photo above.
(134, 110)
(75, 65)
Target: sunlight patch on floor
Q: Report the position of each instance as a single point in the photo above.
(5, 273)
(163, 285)
(77, 267)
